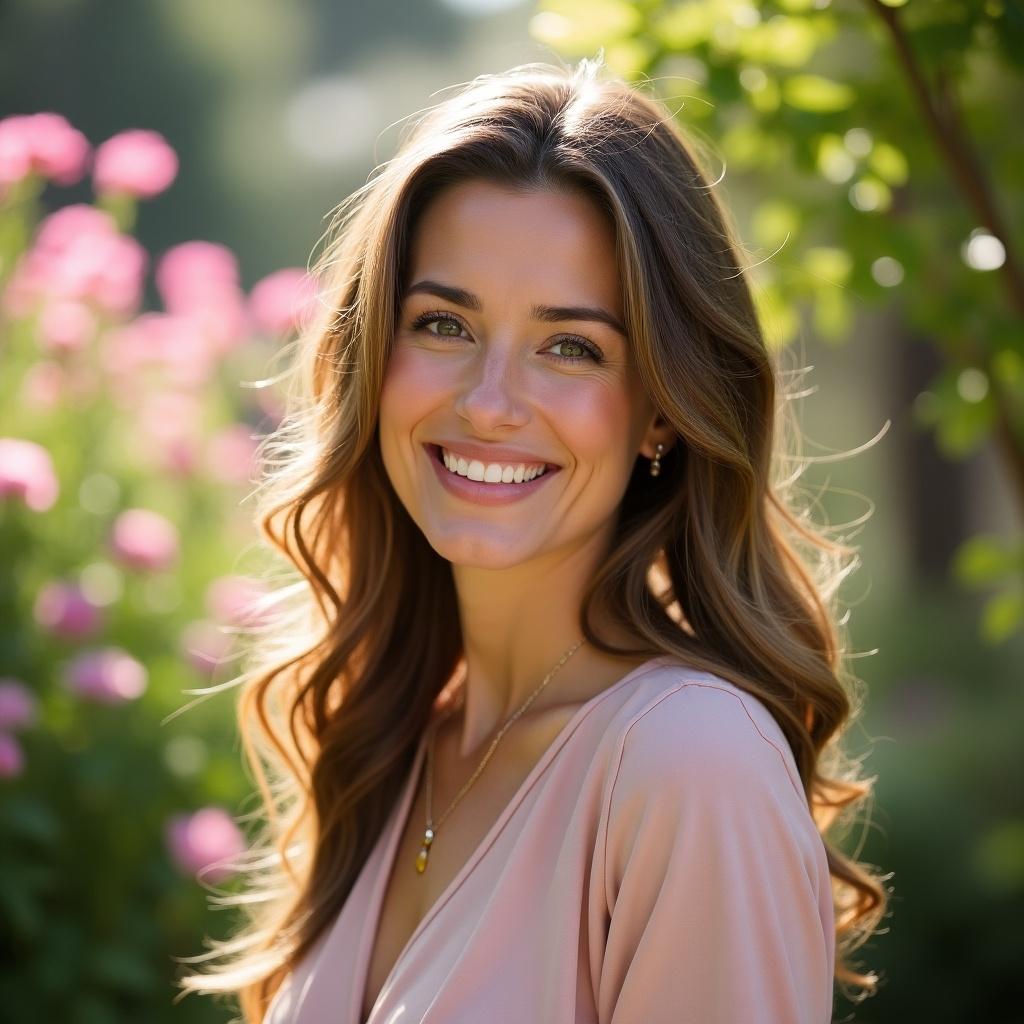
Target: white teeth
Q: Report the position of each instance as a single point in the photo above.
(492, 472)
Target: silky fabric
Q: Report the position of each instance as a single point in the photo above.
(658, 864)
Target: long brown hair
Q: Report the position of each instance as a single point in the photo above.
(714, 561)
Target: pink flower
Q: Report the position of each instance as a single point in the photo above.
(63, 609)
(108, 675)
(205, 645)
(45, 143)
(200, 280)
(188, 274)
(204, 843)
(178, 457)
(26, 471)
(235, 600)
(141, 539)
(15, 151)
(231, 456)
(171, 429)
(18, 705)
(70, 224)
(78, 254)
(138, 162)
(173, 348)
(66, 326)
(12, 760)
(282, 301)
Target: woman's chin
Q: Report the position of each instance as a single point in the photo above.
(482, 550)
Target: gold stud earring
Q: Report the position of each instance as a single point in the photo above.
(656, 461)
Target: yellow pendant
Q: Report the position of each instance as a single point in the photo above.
(421, 857)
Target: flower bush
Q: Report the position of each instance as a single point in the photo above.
(125, 446)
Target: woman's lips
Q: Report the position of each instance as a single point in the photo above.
(476, 490)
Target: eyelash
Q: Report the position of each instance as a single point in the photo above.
(594, 352)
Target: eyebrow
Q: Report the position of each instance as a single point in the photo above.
(548, 314)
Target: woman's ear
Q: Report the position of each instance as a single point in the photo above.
(659, 432)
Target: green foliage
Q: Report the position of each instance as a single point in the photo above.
(985, 560)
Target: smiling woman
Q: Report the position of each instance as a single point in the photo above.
(554, 585)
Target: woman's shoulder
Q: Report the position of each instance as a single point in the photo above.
(679, 722)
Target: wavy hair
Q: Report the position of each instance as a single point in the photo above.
(715, 561)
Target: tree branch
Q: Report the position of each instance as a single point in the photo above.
(946, 126)
(947, 130)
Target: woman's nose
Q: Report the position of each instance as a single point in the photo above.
(491, 394)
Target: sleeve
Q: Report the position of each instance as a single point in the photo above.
(717, 890)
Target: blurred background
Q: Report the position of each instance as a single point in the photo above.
(154, 230)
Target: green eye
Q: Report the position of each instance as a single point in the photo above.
(442, 319)
(587, 351)
(450, 324)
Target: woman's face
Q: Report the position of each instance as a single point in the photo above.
(507, 355)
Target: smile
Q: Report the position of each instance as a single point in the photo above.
(487, 483)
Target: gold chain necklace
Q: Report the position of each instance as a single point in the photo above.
(431, 829)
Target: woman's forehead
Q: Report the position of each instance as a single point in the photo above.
(556, 247)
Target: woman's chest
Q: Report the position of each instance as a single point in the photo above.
(410, 896)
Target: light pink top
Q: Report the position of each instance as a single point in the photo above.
(658, 864)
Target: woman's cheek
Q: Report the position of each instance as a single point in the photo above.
(595, 419)
(416, 375)
(407, 386)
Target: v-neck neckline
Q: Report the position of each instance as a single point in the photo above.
(397, 825)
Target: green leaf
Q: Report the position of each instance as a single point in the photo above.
(629, 57)
(787, 42)
(1008, 367)
(724, 84)
(776, 223)
(1003, 615)
(684, 26)
(746, 146)
(888, 163)
(828, 263)
(832, 317)
(767, 98)
(579, 27)
(779, 321)
(964, 426)
(817, 94)
(962, 409)
(983, 560)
